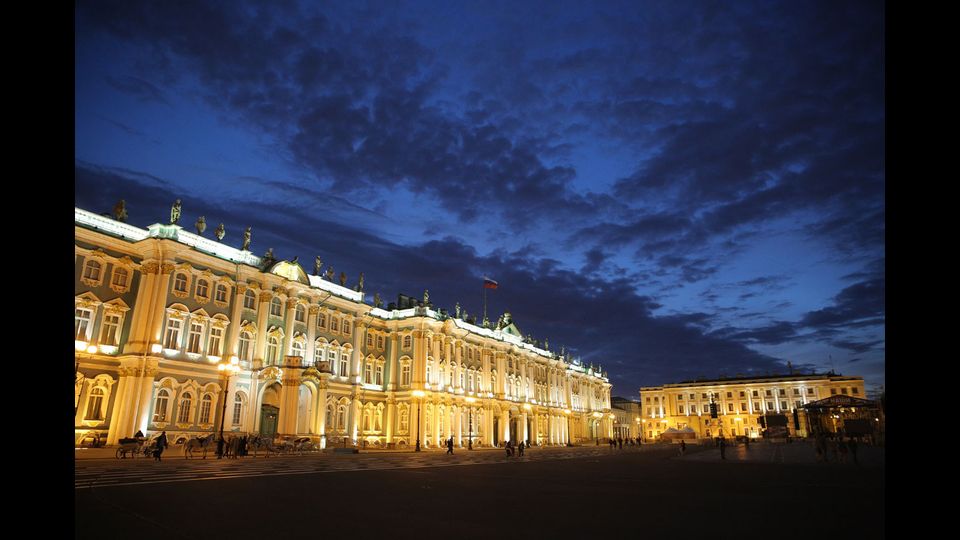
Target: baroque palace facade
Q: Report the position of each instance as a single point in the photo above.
(740, 403)
(160, 311)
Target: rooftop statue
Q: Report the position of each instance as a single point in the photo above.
(426, 297)
(360, 283)
(343, 279)
(201, 225)
(317, 266)
(377, 302)
(220, 232)
(269, 255)
(546, 344)
(457, 309)
(120, 211)
(330, 274)
(175, 213)
(246, 240)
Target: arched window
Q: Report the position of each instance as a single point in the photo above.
(171, 338)
(237, 409)
(180, 283)
(276, 308)
(249, 300)
(120, 278)
(429, 371)
(84, 322)
(160, 406)
(301, 314)
(273, 348)
(205, 405)
(347, 327)
(221, 293)
(299, 348)
(379, 419)
(318, 348)
(366, 420)
(95, 404)
(330, 425)
(203, 289)
(341, 418)
(367, 372)
(183, 416)
(246, 346)
(92, 271)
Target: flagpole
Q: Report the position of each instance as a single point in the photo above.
(484, 302)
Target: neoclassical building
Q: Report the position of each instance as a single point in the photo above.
(740, 402)
(159, 312)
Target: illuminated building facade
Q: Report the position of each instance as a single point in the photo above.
(159, 309)
(739, 403)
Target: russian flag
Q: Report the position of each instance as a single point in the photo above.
(489, 283)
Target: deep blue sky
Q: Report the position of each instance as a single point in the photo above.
(669, 189)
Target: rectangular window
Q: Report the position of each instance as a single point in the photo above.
(380, 342)
(809, 390)
(237, 408)
(742, 395)
(729, 395)
(856, 390)
(743, 407)
(833, 391)
(680, 397)
(405, 375)
(244, 349)
(347, 326)
(193, 341)
(783, 392)
(370, 340)
(769, 393)
(379, 378)
(693, 396)
(729, 407)
(343, 365)
(843, 391)
(783, 405)
(755, 394)
(111, 327)
(334, 324)
(407, 342)
(119, 278)
(649, 411)
(797, 404)
(322, 321)
(221, 294)
(769, 405)
(796, 391)
(756, 405)
(368, 373)
(82, 319)
(680, 409)
(216, 338)
(171, 340)
(249, 300)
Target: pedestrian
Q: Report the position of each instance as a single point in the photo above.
(138, 434)
(853, 451)
(683, 448)
(450, 445)
(506, 448)
(521, 448)
(161, 444)
(220, 448)
(620, 442)
(723, 448)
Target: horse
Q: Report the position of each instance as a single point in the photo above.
(258, 442)
(203, 443)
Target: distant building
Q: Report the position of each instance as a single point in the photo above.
(627, 413)
(160, 311)
(744, 406)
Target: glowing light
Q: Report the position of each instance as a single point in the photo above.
(92, 349)
(80, 345)
(234, 360)
(156, 348)
(471, 399)
(419, 393)
(527, 406)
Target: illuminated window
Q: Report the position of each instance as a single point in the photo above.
(318, 347)
(246, 346)
(83, 319)
(171, 338)
(369, 340)
(237, 409)
(276, 308)
(379, 375)
(193, 341)
(334, 324)
(110, 334)
(95, 404)
(221, 293)
(429, 369)
(92, 271)
(322, 321)
(249, 300)
(183, 416)
(299, 349)
(344, 359)
(180, 283)
(367, 373)
(205, 404)
(160, 406)
(405, 375)
(380, 342)
(404, 420)
(300, 314)
(347, 326)
(273, 350)
(216, 339)
(341, 418)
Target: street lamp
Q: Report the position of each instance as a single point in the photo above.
(527, 407)
(471, 401)
(226, 369)
(567, 412)
(418, 394)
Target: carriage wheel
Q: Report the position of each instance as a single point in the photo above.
(120, 453)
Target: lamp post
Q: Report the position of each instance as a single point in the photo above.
(471, 401)
(567, 412)
(227, 370)
(419, 394)
(527, 407)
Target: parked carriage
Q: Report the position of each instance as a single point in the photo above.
(132, 446)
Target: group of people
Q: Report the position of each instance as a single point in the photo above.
(836, 446)
(159, 444)
(233, 447)
(620, 441)
(512, 448)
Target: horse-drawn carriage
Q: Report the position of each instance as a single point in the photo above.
(136, 445)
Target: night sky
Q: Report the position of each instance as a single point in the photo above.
(671, 190)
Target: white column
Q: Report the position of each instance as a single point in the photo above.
(287, 346)
(260, 346)
(458, 419)
(233, 333)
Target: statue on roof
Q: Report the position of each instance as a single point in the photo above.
(246, 240)
(343, 279)
(486, 322)
(268, 256)
(317, 266)
(175, 213)
(456, 309)
(466, 317)
(220, 232)
(426, 297)
(377, 302)
(120, 211)
(330, 274)
(201, 225)
(546, 344)
(360, 283)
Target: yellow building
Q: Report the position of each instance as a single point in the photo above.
(740, 403)
(179, 332)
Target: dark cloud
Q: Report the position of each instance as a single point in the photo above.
(139, 88)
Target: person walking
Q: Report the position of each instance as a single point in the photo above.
(620, 442)
(521, 448)
(450, 445)
(723, 448)
(161, 444)
(683, 448)
(506, 448)
(220, 448)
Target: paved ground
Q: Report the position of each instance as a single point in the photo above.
(585, 492)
